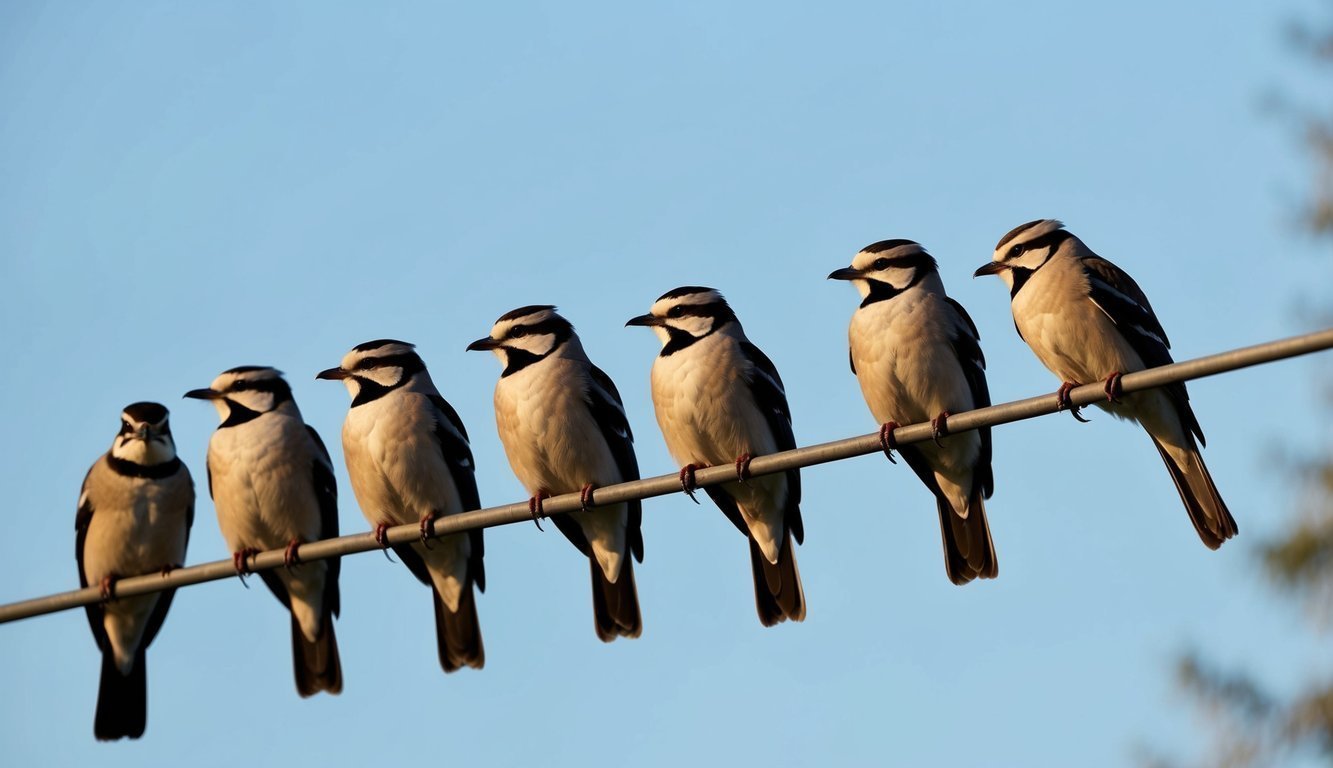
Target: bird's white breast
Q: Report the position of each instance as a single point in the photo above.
(263, 482)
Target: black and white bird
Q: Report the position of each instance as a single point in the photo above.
(564, 430)
(1088, 321)
(719, 400)
(272, 485)
(917, 356)
(135, 512)
(409, 460)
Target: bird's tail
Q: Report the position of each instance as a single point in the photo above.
(458, 633)
(318, 667)
(778, 594)
(1207, 511)
(969, 552)
(122, 700)
(615, 607)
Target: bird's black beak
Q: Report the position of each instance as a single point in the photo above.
(484, 344)
(204, 394)
(990, 268)
(846, 273)
(333, 374)
(647, 321)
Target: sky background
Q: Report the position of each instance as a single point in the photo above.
(190, 187)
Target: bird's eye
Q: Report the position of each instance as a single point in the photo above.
(1016, 251)
(518, 333)
(880, 264)
(676, 311)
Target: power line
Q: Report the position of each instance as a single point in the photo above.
(663, 485)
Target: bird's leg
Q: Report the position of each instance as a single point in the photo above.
(939, 427)
(886, 441)
(169, 567)
(109, 586)
(427, 528)
(1062, 400)
(687, 483)
(535, 507)
(239, 562)
(1113, 391)
(743, 467)
(585, 496)
(381, 534)
(292, 556)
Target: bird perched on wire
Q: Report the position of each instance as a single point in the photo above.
(272, 484)
(564, 429)
(720, 400)
(1088, 321)
(135, 512)
(409, 460)
(917, 356)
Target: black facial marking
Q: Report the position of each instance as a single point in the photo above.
(1051, 240)
(238, 414)
(371, 390)
(1016, 231)
(921, 264)
(1021, 275)
(146, 413)
(518, 359)
(678, 339)
(281, 390)
(151, 471)
(887, 245)
(684, 290)
(531, 309)
(377, 343)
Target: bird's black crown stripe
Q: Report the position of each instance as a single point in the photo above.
(685, 290)
(248, 368)
(885, 245)
(1016, 231)
(146, 412)
(377, 343)
(531, 309)
(922, 262)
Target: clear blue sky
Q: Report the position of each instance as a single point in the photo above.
(190, 187)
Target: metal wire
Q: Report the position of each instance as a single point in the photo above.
(667, 484)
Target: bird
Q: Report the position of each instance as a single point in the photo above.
(272, 485)
(917, 356)
(564, 429)
(720, 400)
(135, 512)
(409, 460)
(1088, 321)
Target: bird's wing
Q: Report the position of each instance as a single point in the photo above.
(1122, 301)
(966, 342)
(326, 491)
(452, 437)
(608, 410)
(82, 519)
(771, 397)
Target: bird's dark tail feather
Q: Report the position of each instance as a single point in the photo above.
(317, 665)
(778, 594)
(1212, 520)
(122, 700)
(458, 634)
(615, 607)
(969, 552)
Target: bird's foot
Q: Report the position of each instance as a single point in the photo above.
(687, 483)
(585, 496)
(108, 587)
(240, 561)
(1062, 400)
(535, 507)
(886, 441)
(169, 567)
(427, 529)
(292, 556)
(743, 467)
(381, 534)
(939, 427)
(1113, 390)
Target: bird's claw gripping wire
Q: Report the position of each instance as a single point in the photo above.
(1062, 400)
(535, 507)
(240, 561)
(108, 587)
(169, 567)
(687, 483)
(939, 427)
(743, 467)
(1113, 390)
(886, 441)
(427, 529)
(382, 538)
(585, 496)
(292, 556)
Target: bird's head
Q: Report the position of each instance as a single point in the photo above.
(241, 394)
(375, 368)
(885, 269)
(145, 435)
(1025, 249)
(684, 315)
(526, 335)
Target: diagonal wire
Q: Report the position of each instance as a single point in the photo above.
(662, 485)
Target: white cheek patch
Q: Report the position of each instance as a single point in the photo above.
(255, 400)
(537, 345)
(898, 277)
(387, 376)
(692, 324)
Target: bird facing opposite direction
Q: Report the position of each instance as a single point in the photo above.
(135, 510)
